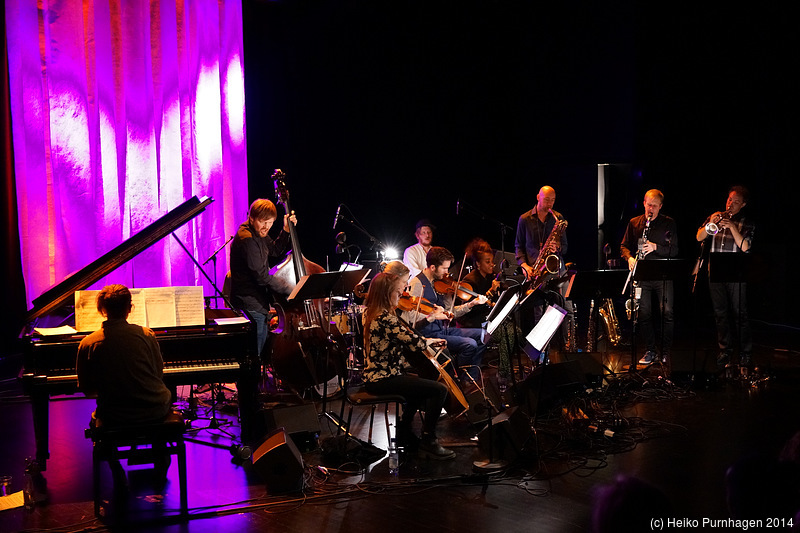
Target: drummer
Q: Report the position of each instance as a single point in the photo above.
(386, 340)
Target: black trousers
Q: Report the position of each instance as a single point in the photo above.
(421, 394)
(730, 312)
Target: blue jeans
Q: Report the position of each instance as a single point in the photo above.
(262, 329)
(465, 344)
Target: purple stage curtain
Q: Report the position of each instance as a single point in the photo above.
(121, 110)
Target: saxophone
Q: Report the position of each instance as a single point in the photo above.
(610, 321)
(548, 262)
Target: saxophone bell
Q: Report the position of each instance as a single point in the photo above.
(552, 263)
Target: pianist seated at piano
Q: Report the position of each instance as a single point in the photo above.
(121, 365)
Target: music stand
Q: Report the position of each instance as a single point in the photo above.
(728, 267)
(654, 270)
(507, 302)
(541, 334)
(731, 267)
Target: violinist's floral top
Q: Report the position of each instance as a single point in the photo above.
(389, 340)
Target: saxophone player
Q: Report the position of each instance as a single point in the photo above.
(652, 236)
(533, 229)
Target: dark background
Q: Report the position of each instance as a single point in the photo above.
(399, 110)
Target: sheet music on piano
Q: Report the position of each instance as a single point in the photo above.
(153, 307)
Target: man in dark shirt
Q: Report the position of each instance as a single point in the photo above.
(534, 227)
(659, 242)
(251, 282)
(121, 364)
(734, 234)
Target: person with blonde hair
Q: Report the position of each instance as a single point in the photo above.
(387, 341)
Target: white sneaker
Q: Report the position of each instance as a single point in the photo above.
(649, 358)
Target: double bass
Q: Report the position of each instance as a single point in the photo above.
(306, 350)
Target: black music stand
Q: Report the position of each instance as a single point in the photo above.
(730, 267)
(653, 270)
(327, 285)
(505, 307)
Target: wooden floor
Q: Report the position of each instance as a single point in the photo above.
(678, 429)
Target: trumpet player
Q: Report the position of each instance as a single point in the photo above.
(652, 236)
(730, 232)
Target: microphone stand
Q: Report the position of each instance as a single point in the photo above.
(373, 240)
(503, 226)
(664, 296)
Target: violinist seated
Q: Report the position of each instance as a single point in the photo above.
(465, 344)
(481, 281)
(387, 342)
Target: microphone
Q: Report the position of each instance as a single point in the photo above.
(458, 206)
(336, 220)
(668, 237)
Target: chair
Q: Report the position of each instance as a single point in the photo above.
(144, 443)
(358, 396)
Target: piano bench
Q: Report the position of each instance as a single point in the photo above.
(139, 444)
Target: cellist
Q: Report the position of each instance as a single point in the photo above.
(386, 340)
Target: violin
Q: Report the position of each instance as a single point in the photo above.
(462, 290)
(407, 302)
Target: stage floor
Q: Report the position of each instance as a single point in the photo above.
(678, 430)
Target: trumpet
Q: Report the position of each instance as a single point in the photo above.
(712, 228)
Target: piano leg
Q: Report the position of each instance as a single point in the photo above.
(40, 405)
(247, 387)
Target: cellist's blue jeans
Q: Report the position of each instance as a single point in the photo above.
(466, 346)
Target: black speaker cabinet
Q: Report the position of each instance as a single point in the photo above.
(591, 364)
(279, 463)
(509, 432)
(300, 422)
(551, 385)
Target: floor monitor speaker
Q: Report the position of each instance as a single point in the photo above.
(279, 463)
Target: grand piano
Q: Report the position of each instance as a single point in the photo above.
(211, 353)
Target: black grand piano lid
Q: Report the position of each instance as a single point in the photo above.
(56, 295)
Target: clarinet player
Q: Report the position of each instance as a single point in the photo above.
(652, 236)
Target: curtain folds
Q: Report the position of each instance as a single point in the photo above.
(121, 110)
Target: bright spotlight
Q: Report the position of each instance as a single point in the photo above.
(391, 253)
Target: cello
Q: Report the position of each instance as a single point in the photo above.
(429, 367)
(306, 350)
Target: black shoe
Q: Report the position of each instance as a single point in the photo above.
(431, 449)
(407, 442)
